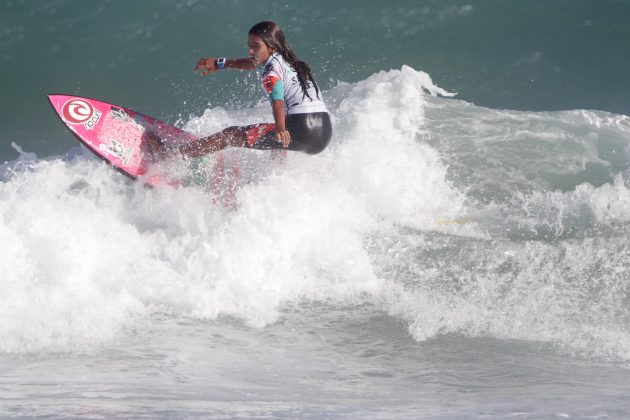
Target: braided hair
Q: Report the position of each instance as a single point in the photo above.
(272, 36)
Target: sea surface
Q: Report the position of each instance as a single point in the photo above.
(459, 251)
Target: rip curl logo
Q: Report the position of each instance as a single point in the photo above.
(116, 149)
(79, 111)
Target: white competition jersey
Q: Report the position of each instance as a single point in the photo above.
(296, 102)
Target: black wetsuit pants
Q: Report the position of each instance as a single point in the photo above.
(310, 133)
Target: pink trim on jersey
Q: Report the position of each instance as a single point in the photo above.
(269, 82)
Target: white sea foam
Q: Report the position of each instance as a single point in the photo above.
(400, 213)
(90, 253)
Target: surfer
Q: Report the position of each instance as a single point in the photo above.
(301, 119)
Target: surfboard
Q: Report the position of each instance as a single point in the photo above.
(117, 134)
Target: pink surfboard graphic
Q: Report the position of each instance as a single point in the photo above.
(115, 133)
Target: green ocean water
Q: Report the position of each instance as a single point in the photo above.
(528, 55)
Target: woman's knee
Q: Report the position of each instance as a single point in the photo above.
(235, 136)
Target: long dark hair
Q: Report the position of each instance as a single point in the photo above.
(272, 36)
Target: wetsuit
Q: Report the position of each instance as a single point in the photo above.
(307, 118)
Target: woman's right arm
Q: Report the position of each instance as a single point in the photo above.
(209, 64)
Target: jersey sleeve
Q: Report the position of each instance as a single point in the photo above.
(272, 83)
(277, 92)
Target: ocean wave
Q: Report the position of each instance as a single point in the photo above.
(452, 217)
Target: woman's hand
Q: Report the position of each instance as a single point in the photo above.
(207, 65)
(284, 137)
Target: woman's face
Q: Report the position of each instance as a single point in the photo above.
(258, 50)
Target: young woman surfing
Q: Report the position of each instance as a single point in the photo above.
(302, 122)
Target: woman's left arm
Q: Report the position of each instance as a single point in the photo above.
(282, 134)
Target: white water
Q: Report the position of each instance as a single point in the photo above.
(429, 226)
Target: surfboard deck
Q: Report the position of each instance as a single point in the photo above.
(117, 134)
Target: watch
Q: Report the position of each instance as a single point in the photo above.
(221, 63)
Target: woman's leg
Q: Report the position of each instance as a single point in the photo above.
(229, 137)
(257, 136)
